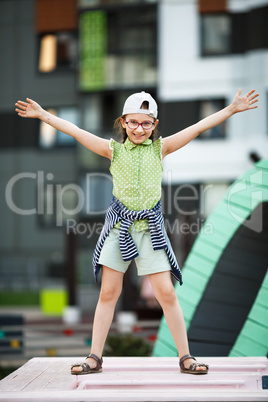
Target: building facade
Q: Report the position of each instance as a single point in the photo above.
(81, 61)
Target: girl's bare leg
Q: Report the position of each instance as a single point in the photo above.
(111, 287)
(165, 294)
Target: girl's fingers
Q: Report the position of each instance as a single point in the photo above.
(252, 106)
(254, 96)
(250, 92)
(21, 110)
(30, 100)
(22, 103)
(21, 107)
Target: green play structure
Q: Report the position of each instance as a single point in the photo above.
(225, 282)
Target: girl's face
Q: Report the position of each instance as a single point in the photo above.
(138, 127)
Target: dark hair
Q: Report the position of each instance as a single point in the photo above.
(121, 131)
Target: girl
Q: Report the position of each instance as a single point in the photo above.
(134, 223)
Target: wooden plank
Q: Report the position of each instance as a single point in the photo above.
(135, 379)
(159, 380)
(256, 332)
(207, 334)
(259, 180)
(163, 349)
(247, 343)
(219, 321)
(262, 164)
(245, 199)
(56, 376)
(210, 251)
(10, 377)
(263, 296)
(229, 211)
(34, 369)
(217, 363)
(216, 238)
(235, 211)
(18, 382)
(222, 211)
(145, 395)
(265, 282)
(188, 310)
(165, 336)
(236, 353)
(221, 224)
(229, 266)
(250, 242)
(200, 263)
(241, 291)
(259, 313)
(248, 347)
(196, 280)
(209, 240)
(237, 288)
(210, 349)
(188, 293)
(235, 269)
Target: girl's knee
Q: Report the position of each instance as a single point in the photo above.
(166, 295)
(111, 285)
(109, 294)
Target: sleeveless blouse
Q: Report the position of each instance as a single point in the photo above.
(137, 175)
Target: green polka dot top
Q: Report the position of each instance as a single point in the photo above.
(137, 175)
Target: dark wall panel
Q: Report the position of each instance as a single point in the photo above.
(250, 30)
(176, 116)
(17, 132)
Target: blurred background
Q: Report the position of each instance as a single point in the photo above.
(80, 59)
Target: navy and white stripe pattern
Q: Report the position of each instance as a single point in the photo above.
(117, 212)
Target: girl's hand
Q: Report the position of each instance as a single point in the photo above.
(29, 109)
(246, 102)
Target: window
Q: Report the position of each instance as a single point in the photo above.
(95, 3)
(206, 108)
(56, 27)
(49, 137)
(215, 34)
(175, 116)
(97, 188)
(118, 48)
(58, 51)
(59, 202)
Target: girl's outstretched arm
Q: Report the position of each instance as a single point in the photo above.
(183, 137)
(31, 109)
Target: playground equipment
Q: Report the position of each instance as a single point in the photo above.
(225, 291)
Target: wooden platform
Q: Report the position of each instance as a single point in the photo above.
(138, 379)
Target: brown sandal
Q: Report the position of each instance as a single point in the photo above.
(193, 366)
(86, 368)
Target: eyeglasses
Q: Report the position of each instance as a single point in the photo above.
(133, 124)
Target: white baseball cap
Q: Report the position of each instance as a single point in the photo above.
(134, 103)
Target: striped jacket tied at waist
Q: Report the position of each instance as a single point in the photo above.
(117, 212)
